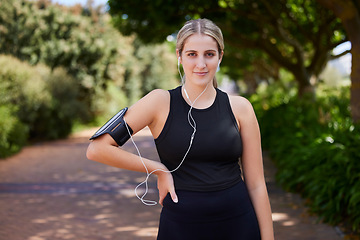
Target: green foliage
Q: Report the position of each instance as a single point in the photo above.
(274, 93)
(58, 38)
(298, 35)
(88, 48)
(46, 102)
(13, 133)
(55, 120)
(108, 103)
(75, 68)
(315, 147)
(154, 59)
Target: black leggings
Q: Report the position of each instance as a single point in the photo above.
(220, 215)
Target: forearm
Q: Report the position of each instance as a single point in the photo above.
(261, 203)
(117, 157)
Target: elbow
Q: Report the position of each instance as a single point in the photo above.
(99, 148)
(91, 152)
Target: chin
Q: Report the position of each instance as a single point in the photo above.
(202, 82)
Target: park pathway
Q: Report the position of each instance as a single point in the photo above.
(50, 191)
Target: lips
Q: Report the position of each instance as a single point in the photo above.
(200, 73)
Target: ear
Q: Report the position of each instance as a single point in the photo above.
(178, 55)
(221, 56)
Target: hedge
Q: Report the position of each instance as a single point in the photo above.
(36, 104)
(13, 133)
(315, 147)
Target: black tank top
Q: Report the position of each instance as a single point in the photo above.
(213, 161)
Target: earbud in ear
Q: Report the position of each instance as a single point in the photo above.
(182, 79)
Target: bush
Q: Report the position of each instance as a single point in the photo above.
(46, 102)
(315, 147)
(13, 133)
(23, 90)
(107, 102)
(56, 119)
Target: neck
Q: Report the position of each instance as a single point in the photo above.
(199, 96)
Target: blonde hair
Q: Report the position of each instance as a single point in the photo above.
(200, 26)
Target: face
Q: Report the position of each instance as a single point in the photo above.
(200, 58)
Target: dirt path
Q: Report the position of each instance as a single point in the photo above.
(51, 191)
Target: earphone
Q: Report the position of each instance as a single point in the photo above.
(192, 123)
(181, 77)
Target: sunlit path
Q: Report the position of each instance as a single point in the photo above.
(51, 191)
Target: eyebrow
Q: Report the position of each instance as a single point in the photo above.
(210, 50)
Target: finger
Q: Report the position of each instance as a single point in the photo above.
(174, 196)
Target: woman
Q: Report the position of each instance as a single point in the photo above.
(200, 133)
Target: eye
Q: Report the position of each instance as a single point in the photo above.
(210, 54)
(192, 54)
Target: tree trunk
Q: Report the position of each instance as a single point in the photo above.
(305, 89)
(355, 72)
(349, 15)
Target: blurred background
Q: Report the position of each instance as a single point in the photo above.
(69, 65)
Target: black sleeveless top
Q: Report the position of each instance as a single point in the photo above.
(213, 161)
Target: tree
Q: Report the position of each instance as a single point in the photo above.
(297, 34)
(39, 32)
(348, 11)
(84, 43)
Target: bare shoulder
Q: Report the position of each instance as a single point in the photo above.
(243, 111)
(153, 107)
(153, 100)
(159, 95)
(240, 105)
(159, 92)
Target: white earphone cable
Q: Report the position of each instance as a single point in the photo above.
(192, 123)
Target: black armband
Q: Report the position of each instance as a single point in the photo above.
(116, 128)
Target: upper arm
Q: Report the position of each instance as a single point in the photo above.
(143, 113)
(251, 160)
(151, 110)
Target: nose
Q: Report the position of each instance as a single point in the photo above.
(201, 63)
